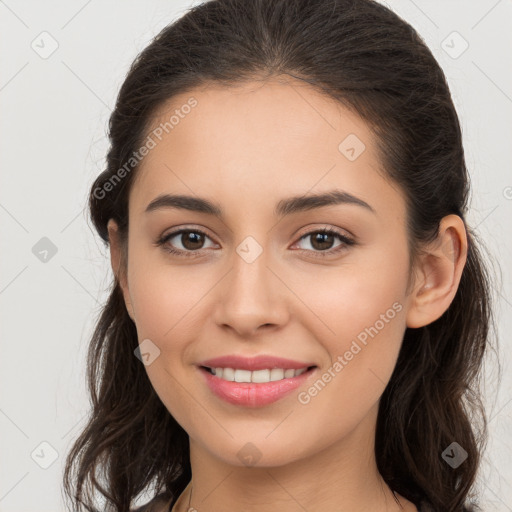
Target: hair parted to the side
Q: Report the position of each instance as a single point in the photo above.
(373, 62)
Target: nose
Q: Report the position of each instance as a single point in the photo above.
(250, 297)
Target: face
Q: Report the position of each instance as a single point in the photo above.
(262, 278)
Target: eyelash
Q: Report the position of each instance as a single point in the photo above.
(322, 254)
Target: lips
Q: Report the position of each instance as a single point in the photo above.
(254, 394)
(262, 362)
(250, 394)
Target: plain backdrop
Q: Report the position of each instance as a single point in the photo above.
(61, 67)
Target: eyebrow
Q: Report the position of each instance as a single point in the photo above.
(284, 207)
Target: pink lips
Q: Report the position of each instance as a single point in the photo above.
(250, 394)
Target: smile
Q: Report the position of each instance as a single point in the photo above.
(255, 388)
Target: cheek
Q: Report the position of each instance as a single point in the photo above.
(166, 307)
(346, 299)
(359, 317)
(369, 323)
(165, 298)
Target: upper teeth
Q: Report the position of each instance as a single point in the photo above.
(257, 375)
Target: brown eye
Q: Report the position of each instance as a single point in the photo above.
(191, 241)
(322, 242)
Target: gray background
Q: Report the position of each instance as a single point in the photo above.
(54, 110)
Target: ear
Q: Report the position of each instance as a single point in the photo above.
(118, 262)
(438, 273)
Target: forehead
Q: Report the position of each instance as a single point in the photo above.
(280, 113)
(259, 140)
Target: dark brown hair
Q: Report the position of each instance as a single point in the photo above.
(373, 62)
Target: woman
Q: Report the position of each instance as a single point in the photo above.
(299, 311)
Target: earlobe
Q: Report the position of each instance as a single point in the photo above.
(118, 265)
(438, 273)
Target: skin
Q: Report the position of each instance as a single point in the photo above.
(246, 148)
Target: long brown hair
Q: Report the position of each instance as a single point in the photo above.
(369, 59)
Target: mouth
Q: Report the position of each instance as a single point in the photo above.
(256, 388)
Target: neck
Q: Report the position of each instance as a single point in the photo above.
(342, 477)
